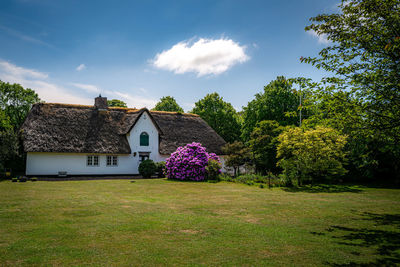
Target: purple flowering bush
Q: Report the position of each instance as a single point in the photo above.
(189, 163)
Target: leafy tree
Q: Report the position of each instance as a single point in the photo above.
(362, 95)
(237, 154)
(15, 103)
(278, 102)
(220, 115)
(168, 103)
(116, 103)
(263, 143)
(311, 155)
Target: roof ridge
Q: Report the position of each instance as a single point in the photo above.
(174, 113)
(118, 108)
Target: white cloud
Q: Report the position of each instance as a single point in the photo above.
(51, 92)
(19, 72)
(87, 87)
(203, 57)
(81, 67)
(39, 82)
(322, 39)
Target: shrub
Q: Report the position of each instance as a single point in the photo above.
(225, 177)
(147, 168)
(213, 169)
(189, 163)
(160, 169)
(311, 155)
(33, 179)
(22, 179)
(14, 180)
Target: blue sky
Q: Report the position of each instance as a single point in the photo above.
(138, 51)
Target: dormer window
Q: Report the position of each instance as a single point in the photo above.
(144, 139)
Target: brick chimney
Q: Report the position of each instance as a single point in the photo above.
(100, 103)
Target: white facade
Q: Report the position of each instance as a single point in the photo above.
(45, 163)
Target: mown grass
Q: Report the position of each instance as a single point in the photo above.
(159, 222)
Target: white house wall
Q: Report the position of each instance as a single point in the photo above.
(75, 164)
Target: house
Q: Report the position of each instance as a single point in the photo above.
(101, 140)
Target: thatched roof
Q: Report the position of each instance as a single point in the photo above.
(85, 129)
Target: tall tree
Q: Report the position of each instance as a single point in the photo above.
(168, 103)
(263, 144)
(116, 103)
(220, 115)
(361, 97)
(15, 103)
(278, 102)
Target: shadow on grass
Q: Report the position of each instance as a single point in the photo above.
(325, 188)
(385, 242)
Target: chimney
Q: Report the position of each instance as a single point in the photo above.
(100, 103)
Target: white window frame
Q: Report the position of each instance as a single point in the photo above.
(92, 161)
(111, 161)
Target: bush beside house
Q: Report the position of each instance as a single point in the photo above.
(147, 168)
(189, 163)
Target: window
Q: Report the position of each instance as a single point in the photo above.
(144, 139)
(112, 160)
(143, 156)
(92, 161)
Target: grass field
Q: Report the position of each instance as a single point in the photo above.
(160, 222)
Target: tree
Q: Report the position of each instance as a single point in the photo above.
(15, 103)
(237, 154)
(311, 155)
(116, 103)
(168, 103)
(361, 97)
(220, 115)
(278, 102)
(263, 143)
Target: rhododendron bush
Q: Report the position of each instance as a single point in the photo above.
(189, 163)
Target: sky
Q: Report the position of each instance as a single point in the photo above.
(139, 51)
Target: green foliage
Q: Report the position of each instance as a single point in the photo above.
(220, 115)
(263, 143)
(237, 154)
(15, 103)
(254, 179)
(213, 169)
(160, 168)
(116, 103)
(168, 103)
(361, 95)
(311, 155)
(278, 102)
(147, 168)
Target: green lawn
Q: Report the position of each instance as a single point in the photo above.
(160, 222)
